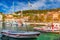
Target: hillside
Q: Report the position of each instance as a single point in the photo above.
(38, 11)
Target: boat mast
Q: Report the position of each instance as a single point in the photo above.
(13, 13)
(16, 28)
(29, 5)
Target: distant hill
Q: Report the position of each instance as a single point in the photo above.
(37, 11)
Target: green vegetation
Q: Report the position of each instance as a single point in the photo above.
(37, 11)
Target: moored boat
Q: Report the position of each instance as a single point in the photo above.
(20, 34)
(54, 28)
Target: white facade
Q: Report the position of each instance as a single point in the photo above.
(1, 17)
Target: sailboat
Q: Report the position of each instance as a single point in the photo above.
(19, 34)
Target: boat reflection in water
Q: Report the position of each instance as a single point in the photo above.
(7, 33)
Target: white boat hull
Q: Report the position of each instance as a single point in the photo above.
(21, 34)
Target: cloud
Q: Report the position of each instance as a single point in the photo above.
(14, 8)
(18, 7)
(54, 0)
(23, 6)
(35, 5)
(39, 4)
(58, 0)
(5, 6)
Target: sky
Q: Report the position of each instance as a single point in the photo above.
(10, 6)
